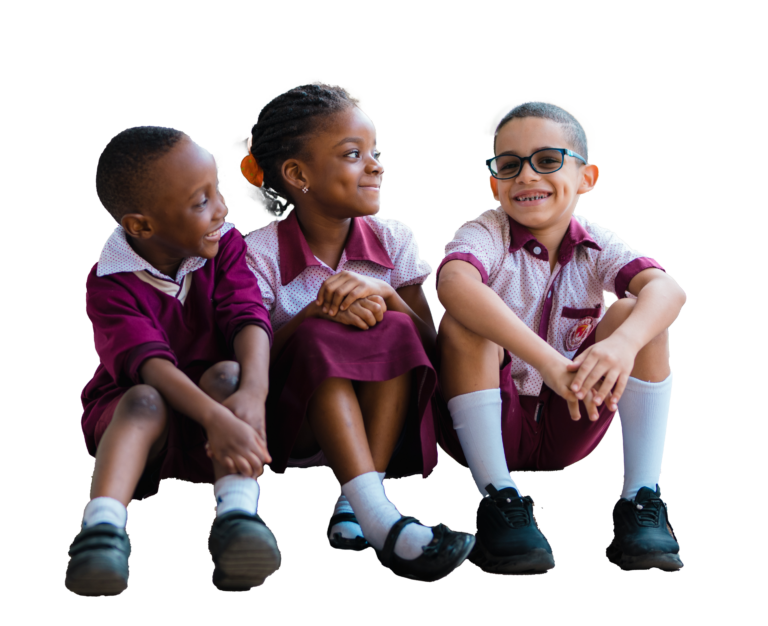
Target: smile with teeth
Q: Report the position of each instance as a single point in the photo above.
(214, 235)
(536, 196)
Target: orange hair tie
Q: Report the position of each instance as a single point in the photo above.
(251, 170)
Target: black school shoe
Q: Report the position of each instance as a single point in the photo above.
(441, 556)
(508, 539)
(643, 537)
(98, 564)
(338, 541)
(244, 551)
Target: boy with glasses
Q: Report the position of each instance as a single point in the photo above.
(533, 368)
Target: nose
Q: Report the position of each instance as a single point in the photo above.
(374, 166)
(527, 173)
(221, 208)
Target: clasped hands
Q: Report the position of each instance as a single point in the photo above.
(596, 376)
(353, 299)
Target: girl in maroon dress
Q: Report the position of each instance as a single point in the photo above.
(350, 375)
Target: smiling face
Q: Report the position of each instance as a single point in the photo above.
(187, 211)
(340, 167)
(540, 202)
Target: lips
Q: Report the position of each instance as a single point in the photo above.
(532, 195)
(213, 236)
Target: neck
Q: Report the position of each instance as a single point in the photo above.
(325, 235)
(158, 259)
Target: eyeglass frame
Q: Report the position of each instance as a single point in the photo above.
(563, 151)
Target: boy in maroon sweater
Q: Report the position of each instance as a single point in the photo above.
(183, 339)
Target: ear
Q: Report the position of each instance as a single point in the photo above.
(294, 175)
(589, 176)
(137, 225)
(495, 188)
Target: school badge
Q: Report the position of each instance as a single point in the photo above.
(578, 333)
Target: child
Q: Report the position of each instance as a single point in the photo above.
(183, 340)
(523, 289)
(350, 380)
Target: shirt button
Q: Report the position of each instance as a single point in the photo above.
(549, 295)
(537, 250)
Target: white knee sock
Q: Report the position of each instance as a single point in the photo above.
(236, 493)
(105, 510)
(348, 530)
(377, 515)
(643, 410)
(477, 421)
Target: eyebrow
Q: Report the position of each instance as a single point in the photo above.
(512, 152)
(349, 140)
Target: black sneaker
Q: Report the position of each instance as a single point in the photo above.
(508, 539)
(244, 551)
(98, 564)
(643, 537)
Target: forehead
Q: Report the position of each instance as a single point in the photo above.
(528, 134)
(185, 168)
(351, 123)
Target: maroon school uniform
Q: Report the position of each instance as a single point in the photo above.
(139, 313)
(289, 277)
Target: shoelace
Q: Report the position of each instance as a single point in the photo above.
(648, 513)
(514, 510)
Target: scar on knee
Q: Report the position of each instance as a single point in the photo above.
(143, 401)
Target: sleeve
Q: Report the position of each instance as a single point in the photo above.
(261, 267)
(617, 263)
(236, 295)
(125, 335)
(410, 268)
(478, 243)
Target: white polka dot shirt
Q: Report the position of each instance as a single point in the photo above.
(561, 305)
(290, 275)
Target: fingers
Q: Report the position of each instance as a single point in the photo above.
(589, 403)
(573, 409)
(350, 319)
(373, 309)
(613, 400)
(363, 312)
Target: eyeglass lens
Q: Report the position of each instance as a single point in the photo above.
(543, 161)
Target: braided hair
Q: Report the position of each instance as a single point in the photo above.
(123, 175)
(282, 131)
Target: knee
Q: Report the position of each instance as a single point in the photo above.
(221, 380)
(455, 338)
(615, 316)
(144, 404)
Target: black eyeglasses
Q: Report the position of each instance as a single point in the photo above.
(542, 161)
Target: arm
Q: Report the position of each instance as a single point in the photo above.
(463, 294)
(232, 442)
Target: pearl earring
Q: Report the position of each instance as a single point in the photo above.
(304, 189)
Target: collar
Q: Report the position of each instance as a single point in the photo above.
(521, 237)
(295, 254)
(118, 256)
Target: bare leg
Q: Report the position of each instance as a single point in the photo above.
(469, 362)
(220, 381)
(384, 406)
(136, 434)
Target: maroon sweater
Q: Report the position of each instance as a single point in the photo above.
(134, 321)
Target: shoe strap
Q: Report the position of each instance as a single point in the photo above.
(340, 518)
(385, 556)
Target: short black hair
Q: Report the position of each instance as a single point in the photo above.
(122, 176)
(282, 130)
(574, 133)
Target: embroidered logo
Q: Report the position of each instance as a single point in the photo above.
(578, 333)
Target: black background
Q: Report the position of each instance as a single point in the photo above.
(433, 149)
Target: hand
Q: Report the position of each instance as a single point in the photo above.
(235, 444)
(250, 408)
(611, 361)
(341, 290)
(558, 376)
(364, 314)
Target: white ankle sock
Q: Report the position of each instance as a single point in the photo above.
(348, 530)
(236, 493)
(643, 410)
(477, 420)
(377, 515)
(105, 510)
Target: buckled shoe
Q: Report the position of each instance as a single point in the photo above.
(244, 551)
(508, 539)
(643, 536)
(441, 556)
(98, 564)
